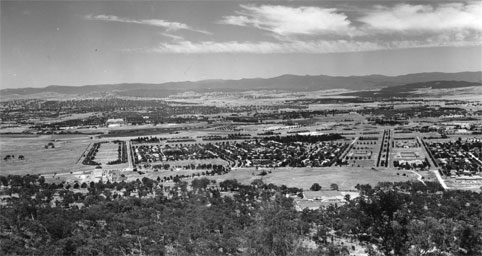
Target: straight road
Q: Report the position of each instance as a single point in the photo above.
(129, 154)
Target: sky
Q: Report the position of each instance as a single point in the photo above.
(104, 42)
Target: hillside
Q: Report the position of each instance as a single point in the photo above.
(412, 89)
(284, 83)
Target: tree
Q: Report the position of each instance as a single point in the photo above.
(200, 183)
(229, 185)
(417, 231)
(275, 231)
(148, 182)
(258, 183)
(334, 186)
(4, 181)
(176, 179)
(347, 197)
(315, 187)
(41, 180)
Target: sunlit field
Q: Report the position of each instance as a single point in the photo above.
(345, 177)
(37, 159)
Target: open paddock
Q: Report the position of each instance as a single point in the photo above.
(38, 159)
(473, 183)
(346, 177)
(132, 176)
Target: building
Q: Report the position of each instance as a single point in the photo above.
(118, 122)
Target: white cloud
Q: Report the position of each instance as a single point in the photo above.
(173, 37)
(327, 30)
(425, 18)
(168, 25)
(316, 46)
(288, 21)
(264, 47)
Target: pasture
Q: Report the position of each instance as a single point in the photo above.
(38, 159)
(346, 177)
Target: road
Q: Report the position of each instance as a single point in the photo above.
(426, 152)
(346, 150)
(419, 177)
(440, 180)
(129, 154)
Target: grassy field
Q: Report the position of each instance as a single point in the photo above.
(132, 176)
(107, 153)
(346, 177)
(38, 159)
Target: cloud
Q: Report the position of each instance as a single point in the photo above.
(173, 37)
(316, 30)
(424, 18)
(314, 47)
(286, 21)
(168, 25)
(289, 21)
(265, 47)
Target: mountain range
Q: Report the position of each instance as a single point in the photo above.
(282, 83)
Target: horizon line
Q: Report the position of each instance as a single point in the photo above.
(239, 79)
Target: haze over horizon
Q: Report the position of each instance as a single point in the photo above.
(83, 43)
(240, 79)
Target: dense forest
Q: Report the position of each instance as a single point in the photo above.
(229, 218)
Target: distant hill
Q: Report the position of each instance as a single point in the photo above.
(284, 83)
(411, 89)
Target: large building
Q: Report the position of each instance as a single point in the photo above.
(118, 122)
